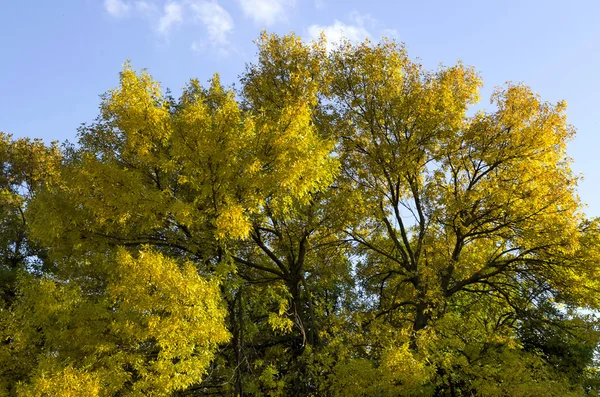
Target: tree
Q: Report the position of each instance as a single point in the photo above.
(198, 172)
(26, 165)
(122, 325)
(339, 226)
(459, 209)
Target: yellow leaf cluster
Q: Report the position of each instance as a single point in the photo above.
(149, 326)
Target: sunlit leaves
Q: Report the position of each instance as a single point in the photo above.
(143, 325)
(342, 225)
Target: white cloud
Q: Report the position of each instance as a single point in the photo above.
(267, 12)
(116, 8)
(120, 8)
(337, 31)
(389, 33)
(173, 15)
(357, 30)
(215, 18)
(197, 46)
(164, 15)
(144, 8)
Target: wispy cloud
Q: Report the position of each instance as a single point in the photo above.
(389, 33)
(145, 8)
(116, 8)
(197, 46)
(338, 31)
(215, 18)
(164, 18)
(137, 8)
(267, 12)
(358, 29)
(173, 15)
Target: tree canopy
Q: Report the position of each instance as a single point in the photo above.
(341, 225)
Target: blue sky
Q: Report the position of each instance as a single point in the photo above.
(57, 57)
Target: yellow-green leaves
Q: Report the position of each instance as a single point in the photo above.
(25, 166)
(68, 382)
(138, 109)
(283, 90)
(455, 208)
(196, 170)
(340, 226)
(137, 325)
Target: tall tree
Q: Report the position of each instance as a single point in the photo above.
(341, 226)
(459, 208)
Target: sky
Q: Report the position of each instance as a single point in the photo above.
(57, 57)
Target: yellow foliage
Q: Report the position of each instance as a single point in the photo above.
(367, 234)
(146, 325)
(68, 382)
